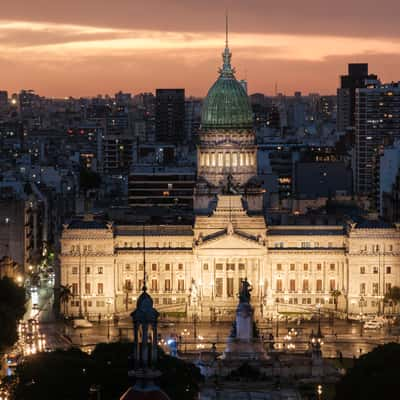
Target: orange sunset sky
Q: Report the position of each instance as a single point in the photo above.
(87, 47)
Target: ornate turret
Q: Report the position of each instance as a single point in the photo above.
(145, 322)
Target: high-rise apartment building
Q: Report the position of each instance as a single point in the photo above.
(170, 115)
(377, 122)
(356, 77)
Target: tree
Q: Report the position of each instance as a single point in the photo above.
(336, 294)
(374, 376)
(69, 374)
(393, 297)
(63, 375)
(12, 309)
(66, 295)
(179, 379)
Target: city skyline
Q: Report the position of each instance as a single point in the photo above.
(86, 49)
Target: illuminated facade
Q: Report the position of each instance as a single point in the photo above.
(198, 269)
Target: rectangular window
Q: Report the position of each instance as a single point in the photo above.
(181, 285)
(279, 267)
(388, 270)
(167, 267)
(375, 289)
(319, 285)
(87, 270)
(388, 288)
(305, 267)
(140, 284)
(279, 286)
(154, 285)
(332, 267)
(74, 270)
(293, 267)
(128, 284)
(319, 267)
(292, 285)
(100, 288)
(332, 285)
(375, 270)
(306, 286)
(167, 285)
(74, 289)
(127, 267)
(100, 270)
(154, 267)
(230, 267)
(87, 288)
(205, 267)
(241, 267)
(218, 287)
(180, 267)
(140, 267)
(362, 270)
(229, 287)
(362, 288)
(218, 267)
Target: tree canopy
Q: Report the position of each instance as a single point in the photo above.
(12, 309)
(374, 376)
(69, 374)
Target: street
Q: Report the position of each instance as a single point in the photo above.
(339, 336)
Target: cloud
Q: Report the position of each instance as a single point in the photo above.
(84, 47)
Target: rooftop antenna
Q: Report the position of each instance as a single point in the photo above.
(144, 288)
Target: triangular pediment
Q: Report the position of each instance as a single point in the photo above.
(225, 240)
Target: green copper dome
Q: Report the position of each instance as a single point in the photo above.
(227, 105)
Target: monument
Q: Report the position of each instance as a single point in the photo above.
(244, 342)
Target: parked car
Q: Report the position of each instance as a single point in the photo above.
(81, 323)
(373, 324)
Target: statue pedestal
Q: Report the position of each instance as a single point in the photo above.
(242, 344)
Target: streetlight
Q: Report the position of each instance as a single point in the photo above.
(361, 304)
(184, 333)
(319, 333)
(319, 392)
(109, 301)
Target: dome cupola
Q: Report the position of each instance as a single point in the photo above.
(227, 105)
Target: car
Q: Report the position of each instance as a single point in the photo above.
(12, 360)
(373, 324)
(167, 325)
(81, 323)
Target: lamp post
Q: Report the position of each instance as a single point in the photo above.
(319, 392)
(319, 333)
(184, 333)
(361, 304)
(277, 320)
(109, 301)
